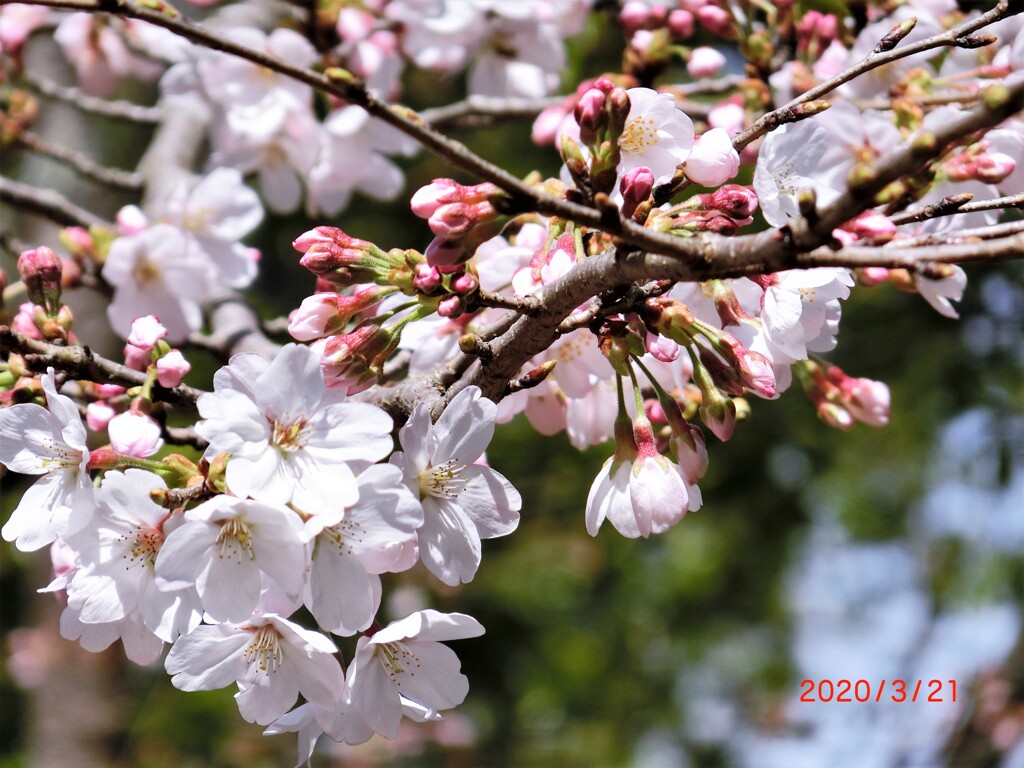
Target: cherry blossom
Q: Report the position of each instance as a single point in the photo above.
(463, 502)
(407, 660)
(290, 439)
(50, 442)
(273, 660)
(657, 135)
(224, 546)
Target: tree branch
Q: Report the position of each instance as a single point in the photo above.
(47, 203)
(112, 177)
(83, 363)
(117, 110)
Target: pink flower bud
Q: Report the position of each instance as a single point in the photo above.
(98, 415)
(426, 278)
(828, 28)
(680, 24)
(450, 307)
(545, 127)
(146, 332)
(736, 201)
(131, 220)
(108, 390)
(135, 358)
(446, 255)
(590, 114)
(693, 5)
(713, 161)
(354, 361)
(661, 347)
(877, 228)
(172, 368)
(454, 220)
(439, 192)
(634, 15)
(994, 167)
(636, 187)
(704, 62)
(465, 283)
(719, 415)
(729, 116)
(715, 20)
(872, 276)
(834, 415)
(41, 269)
(354, 24)
(24, 321)
(691, 452)
(325, 314)
(603, 84)
(134, 434)
(328, 249)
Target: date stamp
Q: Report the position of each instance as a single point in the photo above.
(897, 691)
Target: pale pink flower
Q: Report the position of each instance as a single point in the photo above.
(224, 546)
(172, 368)
(462, 501)
(712, 161)
(146, 332)
(657, 135)
(271, 659)
(405, 660)
(50, 442)
(134, 434)
(98, 415)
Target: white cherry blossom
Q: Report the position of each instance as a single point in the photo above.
(352, 545)
(656, 135)
(272, 659)
(290, 439)
(118, 552)
(405, 660)
(50, 442)
(463, 502)
(224, 547)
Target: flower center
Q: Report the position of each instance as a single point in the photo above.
(639, 134)
(264, 649)
(235, 538)
(443, 481)
(397, 659)
(290, 436)
(146, 271)
(60, 456)
(144, 548)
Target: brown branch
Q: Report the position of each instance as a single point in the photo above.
(112, 177)
(83, 363)
(991, 232)
(947, 39)
(117, 110)
(915, 258)
(47, 203)
(484, 110)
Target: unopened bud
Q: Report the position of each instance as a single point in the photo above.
(977, 40)
(590, 114)
(636, 187)
(734, 200)
(450, 307)
(426, 278)
(465, 283)
(893, 37)
(715, 20)
(40, 269)
(680, 24)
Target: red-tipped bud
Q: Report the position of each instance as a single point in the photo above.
(354, 361)
(636, 186)
(465, 283)
(733, 200)
(680, 24)
(590, 114)
(325, 314)
(715, 20)
(41, 269)
(450, 307)
(426, 278)
(446, 255)
(876, 228)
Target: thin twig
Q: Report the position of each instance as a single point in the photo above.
(112, 177)
(82, 363)
(990, 232)
(118, 110)
(48, 203)
(949, 38)
(477, 110)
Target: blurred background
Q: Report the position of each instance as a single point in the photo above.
(818, 555)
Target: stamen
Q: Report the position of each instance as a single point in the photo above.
(443, 481)
(265, 645)
(234, 537)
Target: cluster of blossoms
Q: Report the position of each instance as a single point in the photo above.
(290, 507)
(301, 499)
